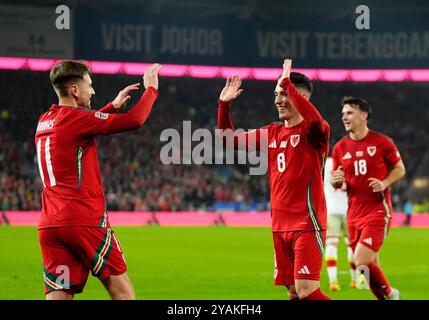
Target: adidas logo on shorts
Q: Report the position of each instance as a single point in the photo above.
(368, 240)
(304, 270)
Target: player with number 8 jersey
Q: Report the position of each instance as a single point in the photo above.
(296, 149)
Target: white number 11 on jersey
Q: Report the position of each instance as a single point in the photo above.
(47, 151)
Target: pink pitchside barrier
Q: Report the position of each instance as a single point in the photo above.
(192, 219)
(195, 71)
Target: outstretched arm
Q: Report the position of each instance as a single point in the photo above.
(121, 99)
(242, 141)
(229, 93)
(108, 108)
(141, 110)
(89, 123)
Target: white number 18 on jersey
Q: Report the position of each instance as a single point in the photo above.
(360, 167)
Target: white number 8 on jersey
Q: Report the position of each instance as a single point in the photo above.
(281, 162)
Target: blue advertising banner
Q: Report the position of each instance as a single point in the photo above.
(225, 41)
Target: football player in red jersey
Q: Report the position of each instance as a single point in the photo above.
(298, 145)
(369, 163)
(74, 232)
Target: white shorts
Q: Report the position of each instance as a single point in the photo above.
(337, 226)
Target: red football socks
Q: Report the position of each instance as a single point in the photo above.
(317, 295)
(378, 282)
(331, 263)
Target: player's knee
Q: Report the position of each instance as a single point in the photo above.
(331, 252)
(123, 292)
(304, 289)
(332, 241)
(119, 287)
(363, 260)
(59, 295)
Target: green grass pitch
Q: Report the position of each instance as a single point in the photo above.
(208, 263)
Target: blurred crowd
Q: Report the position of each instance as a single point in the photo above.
(134, 177)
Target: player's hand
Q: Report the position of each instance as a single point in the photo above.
(232, 90)
(376, 185)
(338, 177)
(123, 96)
(287, 66)
(150, 78)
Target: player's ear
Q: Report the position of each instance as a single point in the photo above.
(74, 91)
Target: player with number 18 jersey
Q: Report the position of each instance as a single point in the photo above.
(372, 156)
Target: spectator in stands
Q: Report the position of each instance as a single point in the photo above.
(149, 185)
(408, 210)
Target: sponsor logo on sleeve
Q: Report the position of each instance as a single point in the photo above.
(101, 115)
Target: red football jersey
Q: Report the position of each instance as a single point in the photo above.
(295, 164)
(68, 162)
(370, 157)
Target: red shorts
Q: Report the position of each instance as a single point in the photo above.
(69, 253)
(297, 255)
(370, 233)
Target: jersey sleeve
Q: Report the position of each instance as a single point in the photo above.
(318, 126)
(108, 108)
(252, 140)
(88, 122)
(391, 152)
(336, 157)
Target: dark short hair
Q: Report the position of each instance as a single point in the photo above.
(359, 103)
(67, 72)
(301, 81)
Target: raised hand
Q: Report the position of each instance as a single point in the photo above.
(123, 96)
(232, 90)
(150, 77)
(287, 66)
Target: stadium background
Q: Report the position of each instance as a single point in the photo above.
(199, 43)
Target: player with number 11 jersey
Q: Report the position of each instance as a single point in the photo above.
(74, 231)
